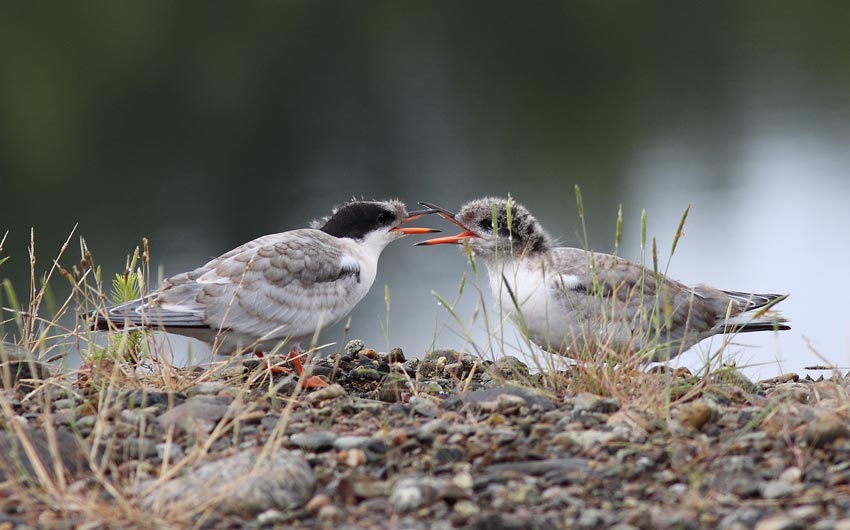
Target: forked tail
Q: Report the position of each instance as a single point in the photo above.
(756, 313)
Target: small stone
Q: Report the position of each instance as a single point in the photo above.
(141, 398)
(18, 367)
(779, 522)
(792, 475)
(16, 460)
(395, 356)
(136, 417)
(364, 487)
(352, 457)
(466, 509)
(585, 439)
(323, 394)
(678, 489)
(365, 373)
(329, 512)
(200, 412)
(175, 452)
(463, 480)
(343, 443)
(313, 506)
(411, 493)
(593, 518)
(696, 414)
(140, 448)
(314, 441)
(207, 387)
(368, 353)
(510, 367)
(825, 429)
(490, 399)
(354, 346)
(66, 403)
(282, 481)
(271, 517)
(775, 489)
(424, 406)
(587, 402)
(86, 424)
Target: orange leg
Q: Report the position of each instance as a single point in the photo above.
(294, 357)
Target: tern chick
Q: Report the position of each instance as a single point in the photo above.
(570, 300)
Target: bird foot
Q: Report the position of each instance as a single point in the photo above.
(294, 358)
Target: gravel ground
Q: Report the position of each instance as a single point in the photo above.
(448, 441)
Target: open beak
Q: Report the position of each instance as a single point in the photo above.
(448, 216)
(414, 230)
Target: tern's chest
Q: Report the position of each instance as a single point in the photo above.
(520, 287)
(540, 294)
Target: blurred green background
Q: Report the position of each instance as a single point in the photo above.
(203, 125)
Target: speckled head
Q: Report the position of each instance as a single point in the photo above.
(495, 227)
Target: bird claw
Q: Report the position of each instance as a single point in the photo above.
(314, 381)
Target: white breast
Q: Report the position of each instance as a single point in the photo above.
(539, 306)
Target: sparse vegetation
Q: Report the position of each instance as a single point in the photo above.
(96, 446)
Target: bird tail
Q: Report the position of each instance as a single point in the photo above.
(756, 313)
(121, 316)
(147, 313)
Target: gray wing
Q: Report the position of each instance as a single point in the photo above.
(284, 284)
(278, 285)
(641, 299)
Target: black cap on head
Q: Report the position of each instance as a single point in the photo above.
(356, 219)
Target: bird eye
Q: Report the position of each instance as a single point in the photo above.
(486, 224)
(384, 218)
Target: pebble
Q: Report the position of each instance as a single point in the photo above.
(352, 457)
(466, 509)
(19, 362)
(342, 443)
(775, 489)
(66, 403)
(587, 402)
(585, 439)
(825, 429)
(141, 398)
(353, 347)
(779, 522)
(317, 502)
(271, 517)
(510, 367)
(200, 412)
(140, 448)
(175, 452)
(314, 441)
(283, 481)
(696, 414)
(411, 493)
(489, 397)
(86, 424)
(208, 387)
(72, 456)
(396, 355)
(323, 394)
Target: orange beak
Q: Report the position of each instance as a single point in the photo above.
(448, 216)
(450, 240)
(413, 230)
